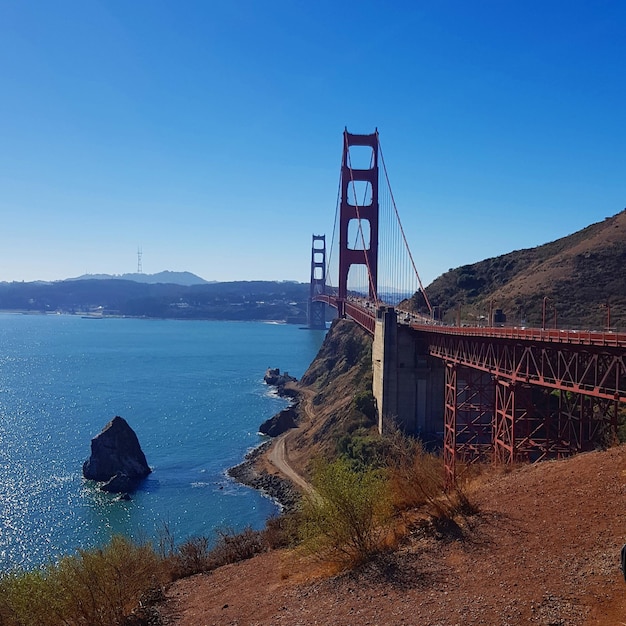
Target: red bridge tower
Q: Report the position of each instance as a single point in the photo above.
(364, 252)
(317, 309)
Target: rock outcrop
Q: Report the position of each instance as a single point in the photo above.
(279, 489)
(276, 379)
(285, 419)
(116, 458)
(279, 423)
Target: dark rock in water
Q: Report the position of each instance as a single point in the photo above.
(279, 423)
(120, 483)
(271, 375)
(276, 379)
(116, 458)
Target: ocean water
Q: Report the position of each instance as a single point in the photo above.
(193, 392)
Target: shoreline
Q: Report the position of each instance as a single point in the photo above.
(277, 488)
(250, 471)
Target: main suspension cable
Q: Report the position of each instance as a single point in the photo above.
(332, 241)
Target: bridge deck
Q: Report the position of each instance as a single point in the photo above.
(365, 316)
(578, 337)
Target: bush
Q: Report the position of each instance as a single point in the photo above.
(347, 518)
(199, 554)
(191, 557)
(27, 598)
(282, 531)
(365, 403)
(98, 587)
(416, 479)
(362, 450)
(233, 547)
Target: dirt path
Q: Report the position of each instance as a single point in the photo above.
(278, 454)
(279, 458)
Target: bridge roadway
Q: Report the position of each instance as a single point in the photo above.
(588, 362)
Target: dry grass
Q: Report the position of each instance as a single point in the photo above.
(117, 584)
(416, 481)
(98, 587)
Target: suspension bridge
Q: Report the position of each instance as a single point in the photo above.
(487, 392)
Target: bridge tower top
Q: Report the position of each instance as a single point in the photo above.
(318, 265)
(317, 310)
(352, 214)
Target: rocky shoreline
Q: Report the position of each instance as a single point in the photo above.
(278, 489)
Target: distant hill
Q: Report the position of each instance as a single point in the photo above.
(244, 300)
(582, 276)
(166, 277)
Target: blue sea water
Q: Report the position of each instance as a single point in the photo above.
(193, 391)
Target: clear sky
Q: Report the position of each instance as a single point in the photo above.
(209, 132)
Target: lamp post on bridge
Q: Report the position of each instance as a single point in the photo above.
(437, 316)
(544, 307)
(543, 312)
(607, 306)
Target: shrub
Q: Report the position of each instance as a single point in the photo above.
(191, 557)
(27, 598)
(346, 520)
(233, 547)
(199, 554)
(282, 531)
(365, 403)
(98, 587)
(361, 449)
(416, 479)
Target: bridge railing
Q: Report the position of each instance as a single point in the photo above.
(579, 337)
(364, 313)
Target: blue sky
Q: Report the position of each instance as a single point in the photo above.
(209, 132)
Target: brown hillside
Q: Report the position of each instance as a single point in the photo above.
(341, 372)
(579, 274)
(544, 549)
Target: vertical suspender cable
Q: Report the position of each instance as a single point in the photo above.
(430, 308)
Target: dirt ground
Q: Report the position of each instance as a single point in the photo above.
(544, 549)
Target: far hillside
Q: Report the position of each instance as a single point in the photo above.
(167, 277)
(243, 300)
(582, 278)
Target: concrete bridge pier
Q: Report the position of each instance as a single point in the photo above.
(407, 383)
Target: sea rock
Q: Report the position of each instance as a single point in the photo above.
(279, 423)
(116, 458)
(276, 379)
(120, 483)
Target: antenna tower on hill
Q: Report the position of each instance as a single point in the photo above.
(139, 268)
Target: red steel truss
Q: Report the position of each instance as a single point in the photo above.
(594, 370)
(468, 416)
(520, 394)
(548, 399)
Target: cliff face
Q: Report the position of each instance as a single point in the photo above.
(334, 395)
